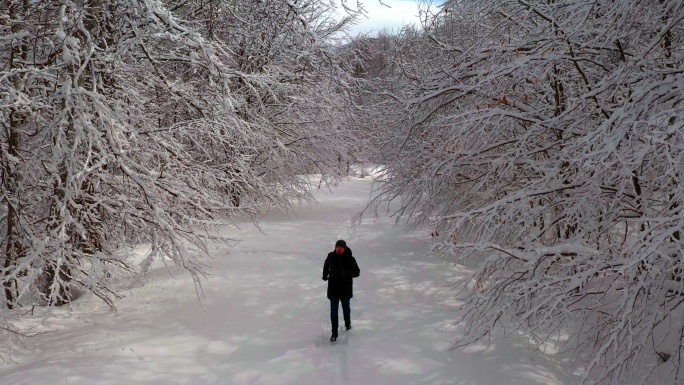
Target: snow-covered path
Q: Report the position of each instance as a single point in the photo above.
(266, 319)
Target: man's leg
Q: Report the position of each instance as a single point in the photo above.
(346, 310)
(334, 306)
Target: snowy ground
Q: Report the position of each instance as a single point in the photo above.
(266, 319)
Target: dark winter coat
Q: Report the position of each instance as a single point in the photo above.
(339, 270)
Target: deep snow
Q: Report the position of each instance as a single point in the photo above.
(266, 319)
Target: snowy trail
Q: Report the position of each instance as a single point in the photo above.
(267, 318)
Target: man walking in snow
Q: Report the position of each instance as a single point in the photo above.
(339, 269)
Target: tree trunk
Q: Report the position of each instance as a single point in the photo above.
(13, 248)
(58, 272)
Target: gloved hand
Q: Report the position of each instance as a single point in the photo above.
(325, 278)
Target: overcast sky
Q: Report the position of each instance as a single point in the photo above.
(379, 16)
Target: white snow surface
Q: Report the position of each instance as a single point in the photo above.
(267, 317)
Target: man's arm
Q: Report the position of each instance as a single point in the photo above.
(326, 270)
(355, 273)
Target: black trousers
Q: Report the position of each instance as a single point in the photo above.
(334, 311)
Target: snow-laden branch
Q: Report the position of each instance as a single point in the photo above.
(546, 153)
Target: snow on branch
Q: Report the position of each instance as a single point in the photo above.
(542, 142)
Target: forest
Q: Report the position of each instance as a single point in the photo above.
(540, 141)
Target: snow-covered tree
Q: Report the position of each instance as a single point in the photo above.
(544, 146)
(126, 123)
(289, 81)
(97, 169)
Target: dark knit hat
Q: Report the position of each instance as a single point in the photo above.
(341, 243)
